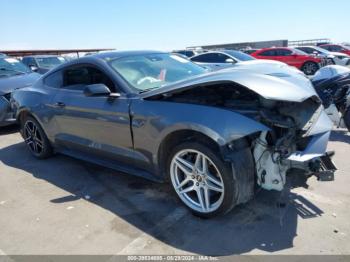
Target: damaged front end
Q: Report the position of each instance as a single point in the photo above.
(298, 129)
(6, 113)
(295, 146)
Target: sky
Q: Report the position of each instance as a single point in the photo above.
(166, 24)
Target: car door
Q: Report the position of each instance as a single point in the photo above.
(213, 61)
(95, 126)
(285, 56)
(266, 54)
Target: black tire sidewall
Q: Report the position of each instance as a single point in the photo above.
(230, 188)
(47, 148)
(313, 63)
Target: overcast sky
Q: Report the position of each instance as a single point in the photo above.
(166, 24)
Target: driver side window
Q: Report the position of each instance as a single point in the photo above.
(76, 78)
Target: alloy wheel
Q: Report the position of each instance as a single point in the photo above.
(33, 138)
(310, 68)
(197, 181)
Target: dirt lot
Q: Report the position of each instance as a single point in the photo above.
(66, 206)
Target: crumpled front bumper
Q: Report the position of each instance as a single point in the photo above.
(315, 158)
(6, 113)
(319, 135)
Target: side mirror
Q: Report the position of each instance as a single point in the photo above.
(33, 68)
(230, 61)
(97, 90)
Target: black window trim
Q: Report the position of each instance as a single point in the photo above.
(85, 64)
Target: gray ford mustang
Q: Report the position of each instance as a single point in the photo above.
(212, 135)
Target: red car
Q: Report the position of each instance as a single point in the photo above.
(337, 48)
(293, 57)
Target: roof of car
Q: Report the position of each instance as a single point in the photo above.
(329, 45)
(275, 47)
(119, 54)
(40, 56)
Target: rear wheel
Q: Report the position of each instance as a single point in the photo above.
(310, 68)
(202, 180)
(35, 138)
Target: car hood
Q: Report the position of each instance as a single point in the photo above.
(329, 72)
(339, 54)
(8, 84)
(277, 85)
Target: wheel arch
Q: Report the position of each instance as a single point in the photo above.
(224, 148)
(179, 136)
(310, 61)
(25, 112)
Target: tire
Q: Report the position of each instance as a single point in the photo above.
(346, 118)
(310, 68)
(221, 177)
(35, 138)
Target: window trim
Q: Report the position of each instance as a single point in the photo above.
(62, 70)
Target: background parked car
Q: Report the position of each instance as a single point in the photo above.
(221, 59)
(332, 58)
(337, 48)
(293, 57)
(13, 75)
(187, 53)
(42, 63)
(249, 51)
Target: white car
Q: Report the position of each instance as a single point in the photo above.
(334, 58)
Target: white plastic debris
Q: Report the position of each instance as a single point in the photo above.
(70, 207)
(334, 215)
(87, 197)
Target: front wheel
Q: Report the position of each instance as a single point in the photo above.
(310, 68)
(202, 181)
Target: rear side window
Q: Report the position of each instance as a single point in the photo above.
(336, 48)
(327, 47)
(54, 80)
(268, 53)
(283, 52)
(306, 49)
(78, 77)
(211, 58)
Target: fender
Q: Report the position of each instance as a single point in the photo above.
(221, 125)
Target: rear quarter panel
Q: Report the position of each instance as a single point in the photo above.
(35, 100)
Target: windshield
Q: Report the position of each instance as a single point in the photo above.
(10, 66)
(299, 52)
(239, 55)
(49, 62)
(321, 50)
(145, 72)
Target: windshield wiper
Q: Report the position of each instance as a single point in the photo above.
(148, 89)
(12, 70)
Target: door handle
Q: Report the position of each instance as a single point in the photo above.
(59, 104)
